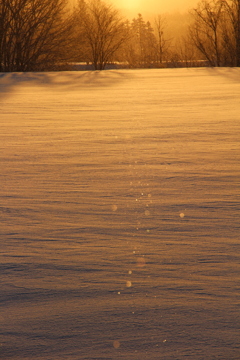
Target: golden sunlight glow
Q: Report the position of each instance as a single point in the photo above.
(154, 6)
(149, 7)
(131, 4)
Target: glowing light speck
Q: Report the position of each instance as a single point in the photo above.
(116, 344)
(128, 284)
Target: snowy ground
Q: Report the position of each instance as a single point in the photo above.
(119, 205)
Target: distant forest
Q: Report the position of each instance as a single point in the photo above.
(45, 35)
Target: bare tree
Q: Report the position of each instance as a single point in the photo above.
(237, 31)
(102, 31)
(231, 30)
(205, 31)
(163, 44)
(216, 31)
(33, 34)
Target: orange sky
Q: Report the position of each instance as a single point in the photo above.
(154, 6)
(151, 7)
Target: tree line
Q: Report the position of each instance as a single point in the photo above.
(39, 35)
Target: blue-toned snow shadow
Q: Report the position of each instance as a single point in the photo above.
(231, 73)
(65, 80)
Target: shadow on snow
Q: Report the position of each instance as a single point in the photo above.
(70, 80)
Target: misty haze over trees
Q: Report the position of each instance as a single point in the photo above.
(38, 35)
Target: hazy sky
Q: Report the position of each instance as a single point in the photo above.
(154, 6)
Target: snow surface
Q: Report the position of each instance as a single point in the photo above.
(119, 205)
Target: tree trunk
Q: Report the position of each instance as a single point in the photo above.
(238, 36)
